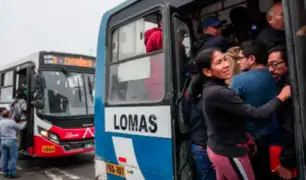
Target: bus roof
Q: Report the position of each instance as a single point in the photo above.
(31, 57)
(67, 53)
(34, 57)
(119, 7)
(127, 3)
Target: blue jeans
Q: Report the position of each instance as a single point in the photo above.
(9, 150)
(205, 170)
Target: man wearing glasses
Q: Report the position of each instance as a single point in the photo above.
(278, 66)
(256, 86)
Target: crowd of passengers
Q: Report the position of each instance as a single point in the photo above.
(239, 101)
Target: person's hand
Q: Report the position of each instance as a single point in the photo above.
(285, 93)
(283, 172)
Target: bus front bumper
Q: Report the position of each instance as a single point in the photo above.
(46, 148)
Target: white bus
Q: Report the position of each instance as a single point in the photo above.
(62, 123)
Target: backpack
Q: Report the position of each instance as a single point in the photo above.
(16, 111)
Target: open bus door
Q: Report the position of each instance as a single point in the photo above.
(28, 133)
(180, 50)
(295, 23)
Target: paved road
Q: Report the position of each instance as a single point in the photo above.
(80, 167)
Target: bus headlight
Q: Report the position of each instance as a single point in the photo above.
(48, 135)
(43, 132)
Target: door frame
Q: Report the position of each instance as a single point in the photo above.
(171, 54)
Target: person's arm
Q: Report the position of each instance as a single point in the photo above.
(20, 126)
(231, 102)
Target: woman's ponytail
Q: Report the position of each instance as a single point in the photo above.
(195, 87)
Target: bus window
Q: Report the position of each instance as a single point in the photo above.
(139, 79)
(129, 40)
(6, 89)
(6, 94)
(7, 79)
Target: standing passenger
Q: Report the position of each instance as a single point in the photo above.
(228, 144)
(211, 37)
(8, 130)
(192, 111)
(256, 86)
(278, 65)
(274, 34)
(19, 106)
(233, 56)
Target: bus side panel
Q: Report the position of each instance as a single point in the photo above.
(144, 150)
(148, 158)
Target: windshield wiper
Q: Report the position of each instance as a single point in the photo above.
(90, 88)
(80, 95)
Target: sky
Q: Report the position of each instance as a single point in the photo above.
(28, 26)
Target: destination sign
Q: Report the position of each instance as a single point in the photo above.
(69, 61)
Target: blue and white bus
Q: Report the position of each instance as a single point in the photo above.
(139, 129)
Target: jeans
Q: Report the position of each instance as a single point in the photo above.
(205, 170)
(9, 150)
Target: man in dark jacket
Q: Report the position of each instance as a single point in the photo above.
(277, 63)
(274, 34)
(212, 35)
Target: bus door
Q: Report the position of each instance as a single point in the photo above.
(24, 81)
(295, 23)
(181, 52)
(137, 133)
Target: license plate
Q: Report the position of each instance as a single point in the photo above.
(115, 170)
(48, 149)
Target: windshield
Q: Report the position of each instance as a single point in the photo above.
(68, 94)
